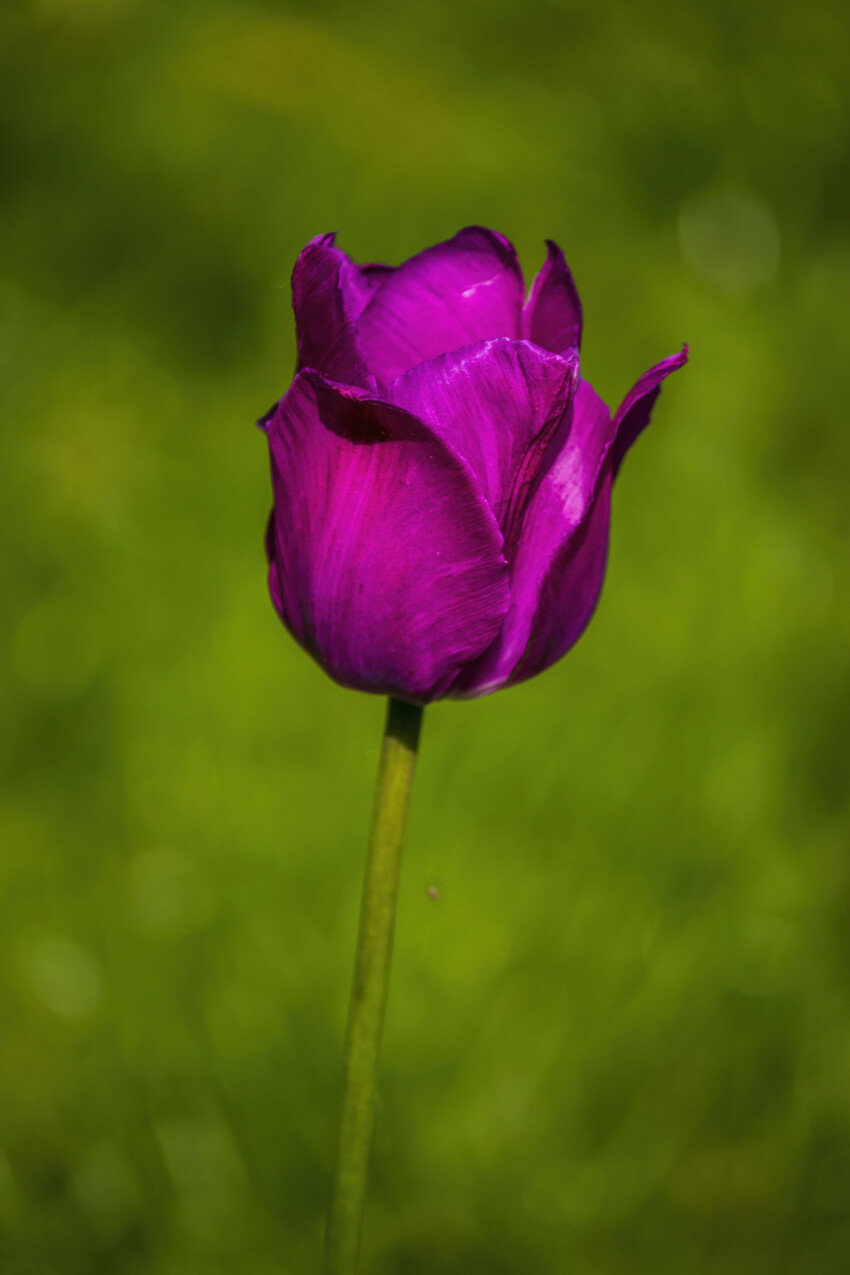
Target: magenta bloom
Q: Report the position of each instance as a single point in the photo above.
(441, 473)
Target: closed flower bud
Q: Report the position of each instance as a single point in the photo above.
(441, 472)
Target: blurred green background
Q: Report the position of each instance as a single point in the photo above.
(619, 1040)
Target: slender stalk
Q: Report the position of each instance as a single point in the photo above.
(369, 992)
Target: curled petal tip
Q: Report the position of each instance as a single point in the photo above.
(266, 419)
(552, 315)
(634, 413)
(324, 314)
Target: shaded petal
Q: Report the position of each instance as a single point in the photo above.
(570, 589)
(274, 583)
(556, 513)
(468, 289)
(326, 291)
(497, 403)
(387, 560)
(360, 283)
(636, 408)
(552, 314)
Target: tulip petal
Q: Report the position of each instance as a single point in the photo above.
(552, 314)
(360, 283)
(327, 289)
(387, 563)
(570, 589)
(558, 564)
(497, 403)
(465, 290)
(555, 514)
(636, 408)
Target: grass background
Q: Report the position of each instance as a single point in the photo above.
(618, 1042)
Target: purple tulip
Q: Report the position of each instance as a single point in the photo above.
(441, 473)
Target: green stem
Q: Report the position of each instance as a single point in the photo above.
(369, 992)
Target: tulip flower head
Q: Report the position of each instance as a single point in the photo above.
(441, 472)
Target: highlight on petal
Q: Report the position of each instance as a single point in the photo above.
(497, 403)
(551, 529)
(552, 315)
(387, 561)
(326, 291)
(633, 414)
(465, 290)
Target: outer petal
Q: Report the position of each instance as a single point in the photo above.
(552, 314)
(554, 515)
(468, 289)
(558, 565)
(636, 408)
(386, 560)
(570, 589)
(326, 291)
(497, 403)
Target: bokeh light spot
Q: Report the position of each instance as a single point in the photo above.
(65, 977)
(730, 239)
